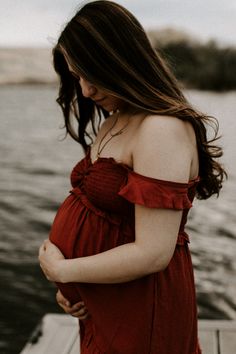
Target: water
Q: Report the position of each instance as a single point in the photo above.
(35, 165)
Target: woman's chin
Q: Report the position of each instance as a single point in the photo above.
(108, 107)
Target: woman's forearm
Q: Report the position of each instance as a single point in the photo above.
(120, 264)
(150, 252)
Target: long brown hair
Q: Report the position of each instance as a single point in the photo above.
(106, 44)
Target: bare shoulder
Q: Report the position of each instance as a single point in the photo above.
(165, 132)
(164, 147)
(167, 125)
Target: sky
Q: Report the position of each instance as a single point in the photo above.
(25, 23)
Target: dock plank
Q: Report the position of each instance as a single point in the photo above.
(60, 336)
(208, 341)
(228, 342)
(59, 332)
(76, 347)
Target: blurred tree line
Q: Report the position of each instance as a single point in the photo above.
(201, 66)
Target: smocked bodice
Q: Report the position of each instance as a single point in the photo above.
(101, 182)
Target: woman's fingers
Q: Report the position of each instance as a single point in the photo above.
(81, 314)
(77, 310)
(61, 300)
(82, 317)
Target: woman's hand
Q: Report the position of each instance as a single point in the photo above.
(77, 310)
(51, 261)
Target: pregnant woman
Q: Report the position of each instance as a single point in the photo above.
(118, 243)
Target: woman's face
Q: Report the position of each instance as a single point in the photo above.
(101, 98)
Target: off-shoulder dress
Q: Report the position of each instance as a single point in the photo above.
(155, 314)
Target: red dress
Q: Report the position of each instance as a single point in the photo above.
(155, 314)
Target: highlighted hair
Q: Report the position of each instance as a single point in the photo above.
(107, 45)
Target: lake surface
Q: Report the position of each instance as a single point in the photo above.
(35, 168)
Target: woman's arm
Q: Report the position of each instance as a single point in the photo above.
(166, 156)
(156, 234)
(150, 253)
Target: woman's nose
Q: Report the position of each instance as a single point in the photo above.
(88, 89)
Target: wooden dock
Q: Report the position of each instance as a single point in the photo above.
(58, 334)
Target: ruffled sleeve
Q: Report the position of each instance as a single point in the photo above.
(155, 193)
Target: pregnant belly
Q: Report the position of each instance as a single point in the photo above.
(79, 229)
